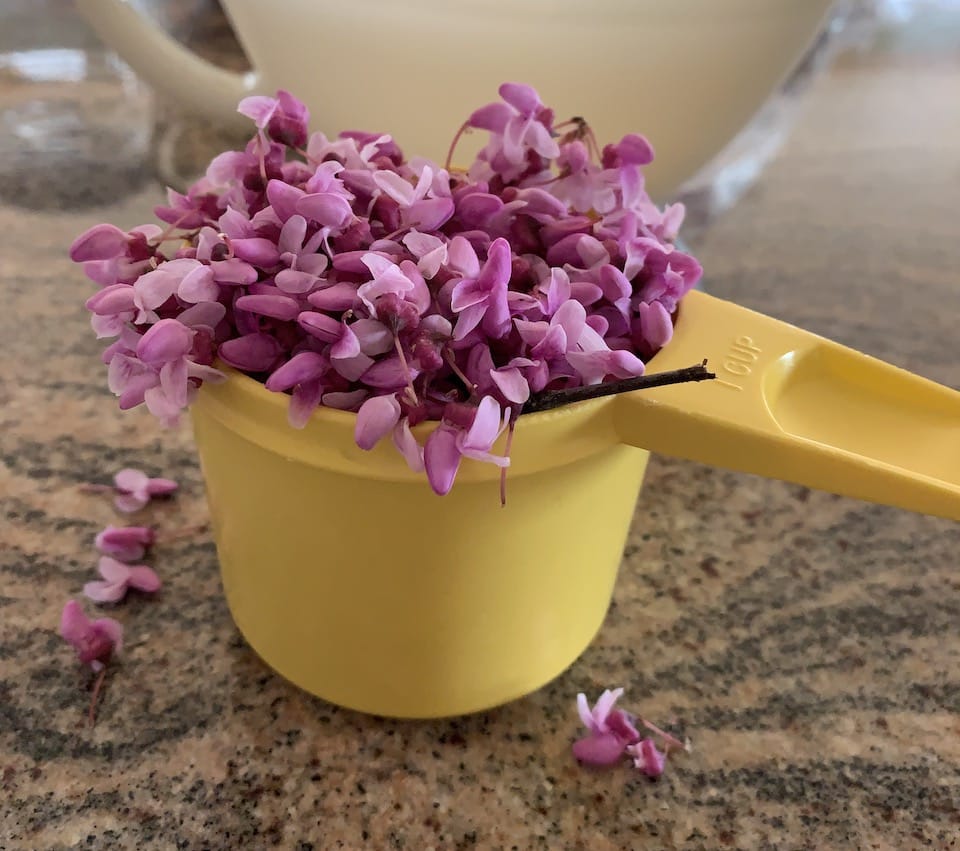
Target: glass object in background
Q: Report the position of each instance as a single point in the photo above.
(75, 122)
(721, 183)
(855, 25)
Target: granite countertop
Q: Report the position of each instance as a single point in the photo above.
(808, 645)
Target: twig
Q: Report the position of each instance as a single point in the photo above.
(98, 684)
(548, 399)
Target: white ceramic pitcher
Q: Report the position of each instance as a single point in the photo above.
(686, 73)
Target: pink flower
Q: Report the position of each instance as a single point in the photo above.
(118, 578)
(450, 442)
(348, 275)
(419, 206)
(518, 125)
(283, 117)
(610, 730)
(126, 543)
(483, 299)
(135, 489)
(584, 186)
(647, 758)
(95, 641)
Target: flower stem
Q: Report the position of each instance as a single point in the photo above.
(90, 487)
(670, 741)
(170, 228)
(406, 371)
(506, 452)
(464, 128)
(97, 687)
(548, 399)
(449, 358)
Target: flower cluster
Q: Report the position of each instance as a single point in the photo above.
(612, 733)
(96, 642)
(344, 274)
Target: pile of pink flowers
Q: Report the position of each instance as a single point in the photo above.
(348, 276)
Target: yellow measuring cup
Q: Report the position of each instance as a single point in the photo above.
(350, 577)
(791, 405)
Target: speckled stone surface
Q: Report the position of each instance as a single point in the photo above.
(808, 645)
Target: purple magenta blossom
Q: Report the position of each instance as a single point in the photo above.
(610, 730)
(96, 642)
(135, 489)
(283, 117)
(483, 298)
(118, 578)
(447, 445)
(125, 543)
(343, 274)
(520, 125)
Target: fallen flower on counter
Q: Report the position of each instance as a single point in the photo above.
(135, 489)
(96, 643)
(125, 543)
(647, 758)
(612, 732)
(118, 578)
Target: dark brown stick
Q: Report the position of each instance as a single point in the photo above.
(556, 398)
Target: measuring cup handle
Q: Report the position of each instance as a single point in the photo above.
(165, 64)
(788, 404)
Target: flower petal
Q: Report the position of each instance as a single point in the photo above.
(112, 570)
(74, 624)
(586, 716)
(105, 592)
(266, 304)
(375, 419)
(521, 97)
(304, 366)
(485, 428)
(258, 107)
(341, 296)
(326, 208)
(492, 117)
(647, 758)
(407, 445)
(601, 749)
(256, 250)
(295, 281)
(101, 242)
(131, 480)
(164, 342)
(512, 384)
(303, 402)
(604, 705)
(394, 186)
(251, 352)
(128, 503)
(161, 487)
(441, 459)
(198, 286)
(112, 630)
(144, 579)
(208, 313)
